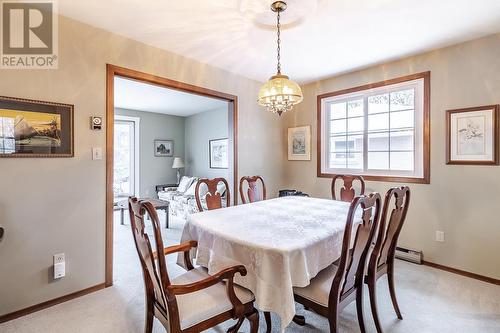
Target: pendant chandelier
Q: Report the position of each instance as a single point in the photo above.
(279, 94)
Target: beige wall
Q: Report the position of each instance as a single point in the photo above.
(461, 200)
(200, 129)
(53, 205)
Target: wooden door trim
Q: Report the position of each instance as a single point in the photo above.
(111, 72)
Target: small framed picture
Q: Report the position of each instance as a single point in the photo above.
(472, 135)
(218, 153)
(299, 143)
(164, 148)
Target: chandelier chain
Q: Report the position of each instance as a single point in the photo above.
(278, 25)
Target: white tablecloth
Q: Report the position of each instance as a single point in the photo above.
(282, 242)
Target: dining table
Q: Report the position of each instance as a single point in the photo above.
(283, 243)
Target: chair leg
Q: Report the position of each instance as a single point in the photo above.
(359, 308)
(253, 318)
(267, 316)
(236, 327)
(299, 320)
(333, 321)
(148, 325)
(372, 283)
(392, 290)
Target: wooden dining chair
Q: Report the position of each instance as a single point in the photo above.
(253, 193)
(347, 192)
(194, 301)
(382, 258)
(337, 286)
(213, 197)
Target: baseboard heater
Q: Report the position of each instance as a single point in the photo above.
(414, 256)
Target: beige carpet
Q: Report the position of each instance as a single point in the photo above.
(431, 301)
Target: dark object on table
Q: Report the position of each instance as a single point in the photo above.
(286, 193)
(157, 204)
(2, 231)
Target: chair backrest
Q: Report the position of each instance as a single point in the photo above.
(155, 275)
(213, 198)
(347, 192)
(390, 227)
(350, 272)
(253, 192)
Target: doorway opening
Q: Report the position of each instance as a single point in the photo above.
(132, 156)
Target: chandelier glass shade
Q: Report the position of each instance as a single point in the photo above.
(279, 94)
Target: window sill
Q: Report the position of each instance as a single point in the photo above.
(394, 179)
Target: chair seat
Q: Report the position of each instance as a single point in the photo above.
(206, 303)
(318, 291)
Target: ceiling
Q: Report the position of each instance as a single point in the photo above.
(140, 96)
(321, 37)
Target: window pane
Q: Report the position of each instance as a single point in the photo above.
(355, 125)
(123, 139)
(338, 144)
(378, 161)
(338, 160)
(338, 110)
(355, 143)
(378, 141)
(402, 100)
(378, 103)
(9, 146)
(378, 122)
(355, 108)
(8, 127)
(402, 161)
(338, 126)
(402, 119)
(402, 140)
(355, 160)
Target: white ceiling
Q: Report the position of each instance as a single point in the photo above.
(140, 96)
(323, 37)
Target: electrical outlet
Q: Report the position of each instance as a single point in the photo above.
(439, 236)
(59, 266)
(59, 258)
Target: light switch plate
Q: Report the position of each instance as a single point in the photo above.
(439, 236)
(97, 153)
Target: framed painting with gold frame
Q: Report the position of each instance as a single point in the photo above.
(30, 128)
(472, 135)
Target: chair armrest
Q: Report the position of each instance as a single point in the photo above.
(225, 274)
(184, 247)
(180, 248)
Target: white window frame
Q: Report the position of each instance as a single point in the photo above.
(420, 174)
(137, 123)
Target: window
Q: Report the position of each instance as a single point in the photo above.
(126, 156)
(380, 131)
(7, 139)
